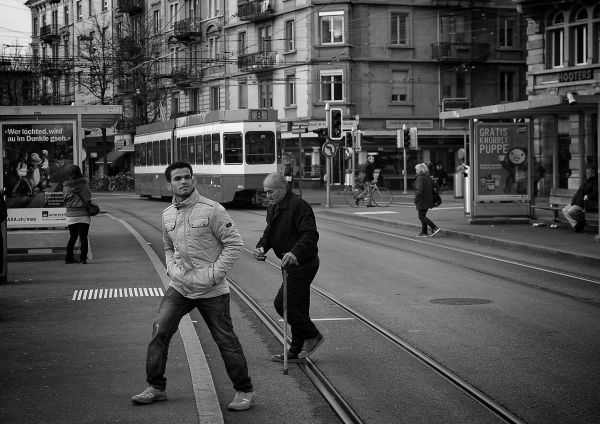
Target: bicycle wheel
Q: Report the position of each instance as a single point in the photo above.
(354, 197)
(382, 196)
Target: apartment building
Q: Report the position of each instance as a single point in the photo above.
(385, 64)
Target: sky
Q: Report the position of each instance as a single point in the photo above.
(15, 23)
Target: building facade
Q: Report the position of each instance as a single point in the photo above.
(384, 64)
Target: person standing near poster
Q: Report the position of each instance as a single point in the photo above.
(76, 192)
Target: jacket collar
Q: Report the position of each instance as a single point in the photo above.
(192, 199)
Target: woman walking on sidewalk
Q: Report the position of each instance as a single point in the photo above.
(424, 199)
(76, 192)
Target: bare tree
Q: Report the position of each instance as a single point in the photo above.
(17, 76)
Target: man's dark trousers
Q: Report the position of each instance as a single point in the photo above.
(299, 280)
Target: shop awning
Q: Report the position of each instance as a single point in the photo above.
(112, 156)
(547, 106)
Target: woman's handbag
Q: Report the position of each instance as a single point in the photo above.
(92, 208)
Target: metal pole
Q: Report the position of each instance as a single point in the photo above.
(328, 172)
(285, 331)
(301, 154)
(405, 172)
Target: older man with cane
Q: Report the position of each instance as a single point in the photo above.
(291, 232)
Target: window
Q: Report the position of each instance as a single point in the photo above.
(206, 149)
(213, 48)
(264, 39)
(399, 29)
(213, 8)
(216, 149)
(199, 150)
(35, 27)
(79, 46)
(290, 90)
(453, 29)
(79, 79)
(332, 88)
(194, 100)
(104, 5)
(232, 148)
(579, 38)
(156, 152)
(242, 43)
(289, 43)
(66, 15)
(156, 21)
(243, 94)
(175, 105)
(506, 32)
(332, 27)
(66, 53)
(556, 41)
(453, 84)
(260, 147)
(399, 86)
(173, 7)
(265, 93)
(79, 10)
(507, 91)
(215, 97)
(90, 7)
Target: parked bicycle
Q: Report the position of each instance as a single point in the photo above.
(100, 183)
(357, 197)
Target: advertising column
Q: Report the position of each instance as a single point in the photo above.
(501, 185)
(38, 157)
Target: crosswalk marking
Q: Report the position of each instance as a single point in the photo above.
(94, 294)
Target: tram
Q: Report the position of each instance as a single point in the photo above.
(231, 152)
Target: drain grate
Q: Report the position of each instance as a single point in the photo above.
(460, 301)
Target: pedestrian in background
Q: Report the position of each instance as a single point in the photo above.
(76, 192)
(291, 232)
(424, 199)
(587, 192)
(201, 245)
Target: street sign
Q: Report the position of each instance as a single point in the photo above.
(329, 149)
(299, 127)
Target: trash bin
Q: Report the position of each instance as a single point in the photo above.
(458, 185)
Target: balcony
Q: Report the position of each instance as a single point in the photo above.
(185, 76)
(49, 33)
(51, 67)
(131, 6)
(129, 48)
(460, 52)
(257, 62)
(67, 99)
(255, 10)
(188, 29)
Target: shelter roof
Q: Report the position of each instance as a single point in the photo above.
(104, 116)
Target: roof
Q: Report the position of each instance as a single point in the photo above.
(91, 116)
(547, 106)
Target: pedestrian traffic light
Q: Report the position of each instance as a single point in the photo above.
(348, 139)
(403, 138)
(335, 124)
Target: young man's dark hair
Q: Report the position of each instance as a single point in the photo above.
(177, 165)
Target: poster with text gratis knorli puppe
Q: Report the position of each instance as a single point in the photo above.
(38, 157)
(502, 162)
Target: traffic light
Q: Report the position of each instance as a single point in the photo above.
(348, 140)
(335, 124)
(403, 139)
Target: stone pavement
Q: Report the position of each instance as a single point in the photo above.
(450, 217)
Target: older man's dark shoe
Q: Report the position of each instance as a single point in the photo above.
(310, 346)
(291, 357)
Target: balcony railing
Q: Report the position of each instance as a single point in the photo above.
(257, 61)
(49, 33)
(129, 47)
(131, 6)
(186, 76)
(188, 29)
(52, 66)
(255, 10)
(460, 52)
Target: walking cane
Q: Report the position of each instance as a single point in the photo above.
(285, 336)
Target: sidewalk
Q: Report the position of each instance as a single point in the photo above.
(450, 217)
(74, 347)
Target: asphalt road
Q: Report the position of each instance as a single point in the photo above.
(521, 329)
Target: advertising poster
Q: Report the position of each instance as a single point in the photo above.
(502, 162)
(38, 157)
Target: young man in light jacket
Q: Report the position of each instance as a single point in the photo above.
(201, 245)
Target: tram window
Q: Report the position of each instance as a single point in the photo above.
(260, 147)
(199, 158)
(143, 154)
(206, 148)
(279, 147)
(149, 155)
(156, 152)
(191, 151)
(169, 151)
(163, 152)
(232, 148)
(137, 148)
(216, 149)
(183, 155)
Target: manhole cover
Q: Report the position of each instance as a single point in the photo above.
(460, 301)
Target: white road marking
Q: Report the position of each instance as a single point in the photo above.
(328, 319)
(113, 293)
(374, 213)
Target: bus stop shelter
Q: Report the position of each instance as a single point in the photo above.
(525, 112)
(36, 134)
